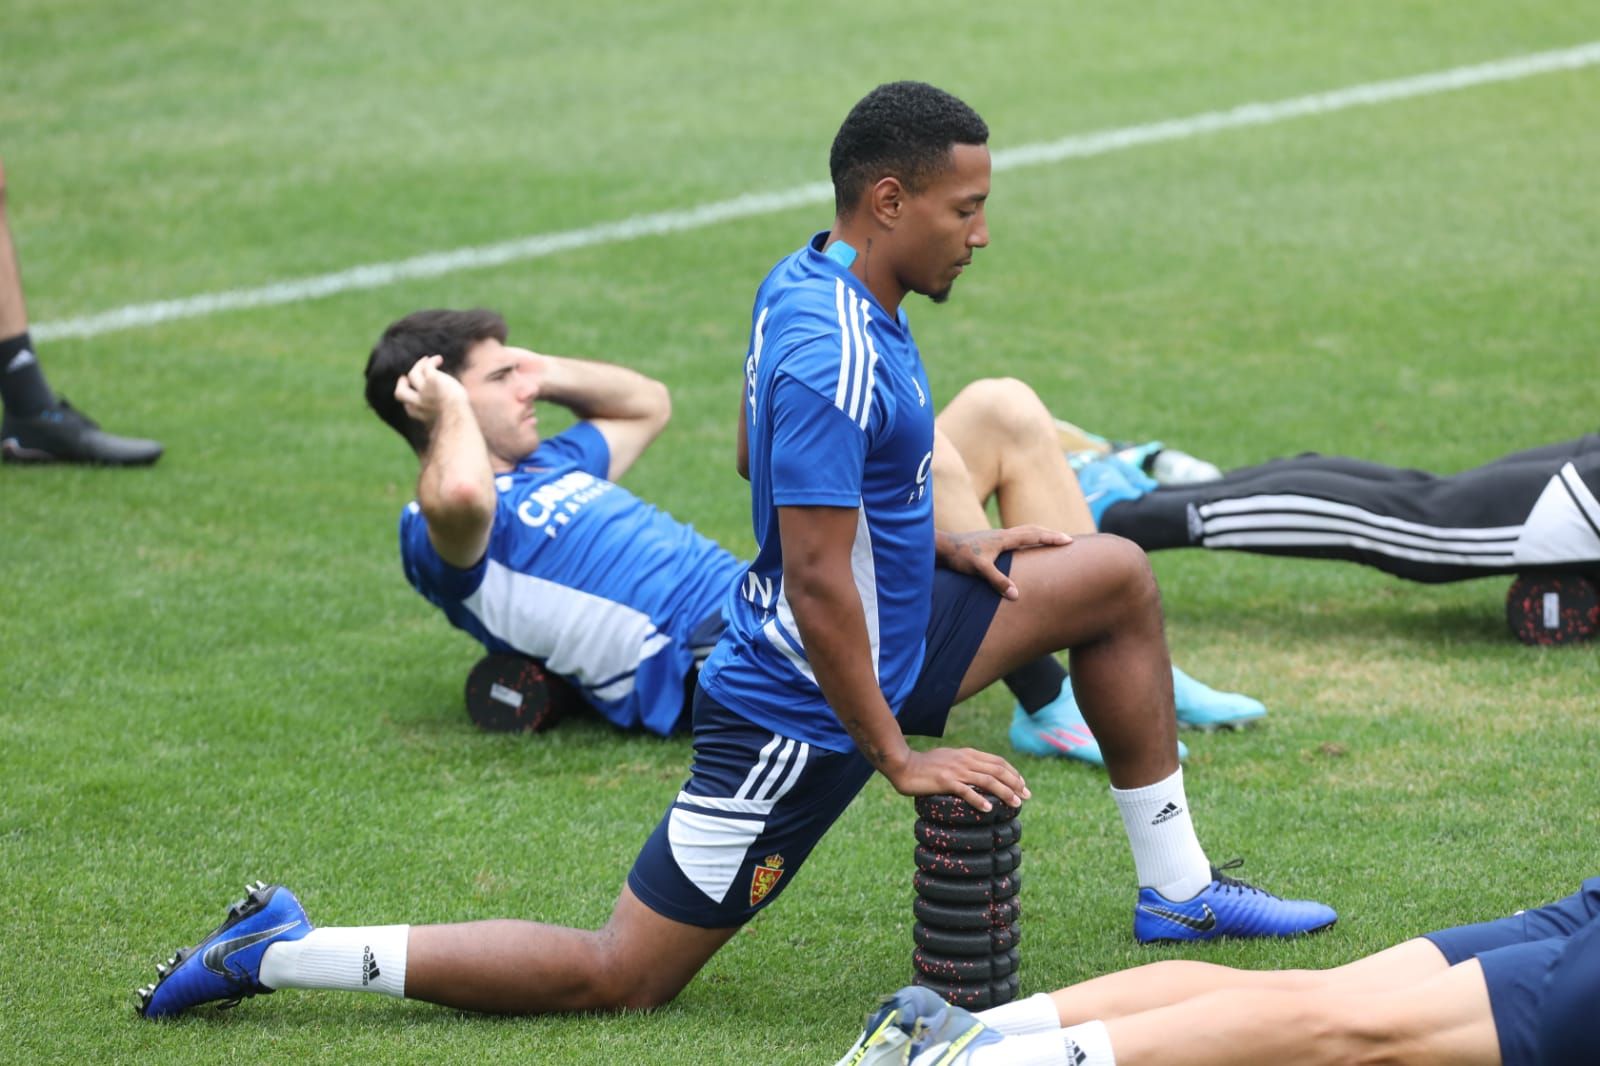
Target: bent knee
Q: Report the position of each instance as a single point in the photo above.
(1006, 406)
(1127, 563)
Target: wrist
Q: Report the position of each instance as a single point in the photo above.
(892, 759)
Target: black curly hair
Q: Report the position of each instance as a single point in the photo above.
(905, 129)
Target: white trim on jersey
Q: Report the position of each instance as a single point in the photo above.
(709, 835)
(597, 642)
(783, 632)
(1289, 521)
(858, 356)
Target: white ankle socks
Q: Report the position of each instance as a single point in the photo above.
(1080, 1045)
(1166, 854)
(357, 959)
(1036, 1014)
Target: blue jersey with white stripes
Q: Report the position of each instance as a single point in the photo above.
(837, 414)
(579, 572)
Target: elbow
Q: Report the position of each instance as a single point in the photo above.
(461, 501)
(658, 407)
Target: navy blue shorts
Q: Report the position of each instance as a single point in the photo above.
(1521, 957)
(757, 802)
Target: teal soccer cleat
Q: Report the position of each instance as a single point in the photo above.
(1200, 706)
(226, 966)
(1058, 730)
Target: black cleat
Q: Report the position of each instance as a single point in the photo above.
(63, 434)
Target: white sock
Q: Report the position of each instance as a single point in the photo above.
(369, 958)
(1034, 1049)
(1036, 1014)
(1088, 1044)
(1166, 854)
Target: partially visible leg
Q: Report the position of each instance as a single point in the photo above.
(1162, 984)
(1098, 598)
(1009, 443)
(13, 314)
(1443, 1020)
(1410, 524)
(23, 390)
(637, 959)
(38, 426)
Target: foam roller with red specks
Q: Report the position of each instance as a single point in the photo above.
(973, 840)
(1553, 609)
(978, 995)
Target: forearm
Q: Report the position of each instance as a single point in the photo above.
(833, 627)
(455, 487)
(603, 390)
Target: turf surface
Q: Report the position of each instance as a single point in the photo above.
(213, 670)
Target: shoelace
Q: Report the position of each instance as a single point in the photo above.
(1232, 884)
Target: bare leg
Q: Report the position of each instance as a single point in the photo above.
(1162, 984)
(638, 959)
(13, 314)
(1097, 597)
(1011, 448)
(1445, 1019)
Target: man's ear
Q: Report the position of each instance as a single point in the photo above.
(886, 200)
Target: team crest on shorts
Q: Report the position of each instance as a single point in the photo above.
(765, 876)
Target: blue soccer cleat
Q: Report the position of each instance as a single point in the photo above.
(226, 965)
(1058, 730)
(1111, 480)
(1200, 706)
(1226, 907)
(915, 1027)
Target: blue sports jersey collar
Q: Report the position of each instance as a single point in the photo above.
(825, 263)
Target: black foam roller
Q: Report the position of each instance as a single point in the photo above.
(966, 889)
(970, 839)
(966, 941)
(966, 915)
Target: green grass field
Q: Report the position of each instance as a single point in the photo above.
(213, 670)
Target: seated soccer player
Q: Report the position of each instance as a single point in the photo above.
(617, 597)
(1517, 991)
(39, 426)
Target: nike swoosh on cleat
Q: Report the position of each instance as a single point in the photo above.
(216, 956)
(1188, 921)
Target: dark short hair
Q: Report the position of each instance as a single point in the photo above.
(905, 129)
(451, 334)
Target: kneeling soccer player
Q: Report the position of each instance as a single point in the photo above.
(807, 694)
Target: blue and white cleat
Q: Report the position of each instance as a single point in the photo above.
(1058, 730)
(226, 965)
(915, 1027)
(1226, 908)
(1200, 706)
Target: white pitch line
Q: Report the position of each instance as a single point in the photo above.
(1078, 146)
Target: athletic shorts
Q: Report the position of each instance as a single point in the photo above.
(757, 802)
(1519, 957)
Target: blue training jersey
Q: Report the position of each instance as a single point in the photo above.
(584, 575)
(837, 414)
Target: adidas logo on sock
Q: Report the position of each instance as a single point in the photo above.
(21, 359)
(1075, 1054)
(369, 966)
(1167, 813)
